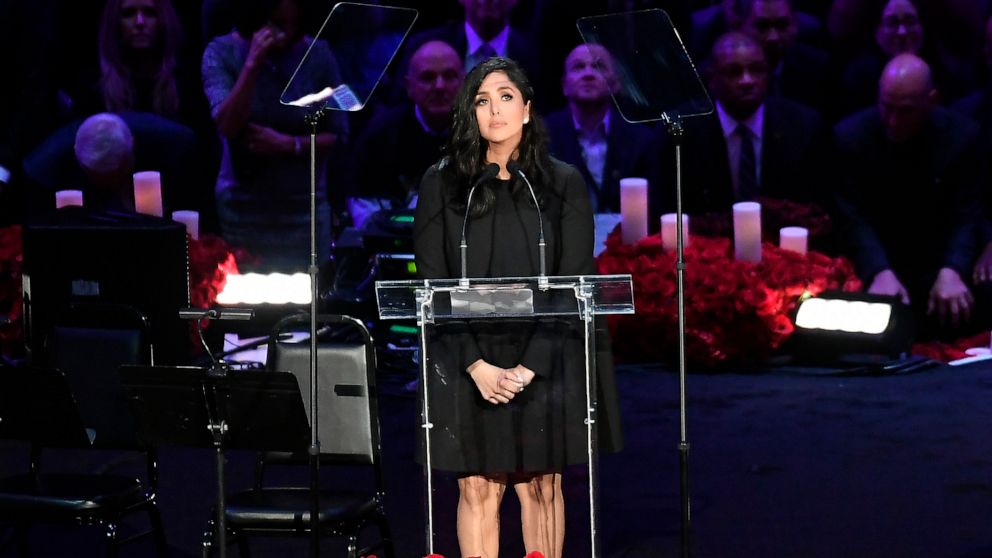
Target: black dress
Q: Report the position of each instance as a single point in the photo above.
(542, 428)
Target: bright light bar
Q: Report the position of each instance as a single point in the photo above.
(275, 288)
(853, 316)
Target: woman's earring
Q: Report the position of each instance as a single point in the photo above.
(526, 120)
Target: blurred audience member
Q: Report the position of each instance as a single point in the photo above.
(912, 198)
(104, 149)
(949, 32)
(728, 15)
(139, 43)
(899, 31)
(752, 145)
(796, 71)
(80, 155)
(263, 188)
(412, 134)
(591, 135)
(484, 32)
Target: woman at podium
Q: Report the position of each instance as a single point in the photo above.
(507, 397)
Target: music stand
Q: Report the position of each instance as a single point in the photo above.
(657, 81)
(190, 407)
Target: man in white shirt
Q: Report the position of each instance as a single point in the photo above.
(591, 135)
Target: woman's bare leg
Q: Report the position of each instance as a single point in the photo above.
(478, 514)
(542, 513)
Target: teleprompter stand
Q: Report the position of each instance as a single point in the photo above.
(658, 82)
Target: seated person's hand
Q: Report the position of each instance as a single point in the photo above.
(950, 299)
(983, 267)
(267, 141)
(494, 383)
(886, 283)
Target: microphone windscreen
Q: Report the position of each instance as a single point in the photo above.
(513, 166)
(492, 169)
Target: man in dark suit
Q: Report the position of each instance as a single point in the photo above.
(401, 142)
(796, 71)
(752, 145)
(589, 134)
(485, 32)
(912, 198)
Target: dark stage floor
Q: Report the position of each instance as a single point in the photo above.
(782, 465)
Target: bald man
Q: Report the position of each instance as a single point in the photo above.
(589, 133)
(911, 199)
(400, 143)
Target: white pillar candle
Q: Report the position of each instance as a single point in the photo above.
(669, 229)
(793, 238)
(148, 193)
(189, 218)
(633, 209)
(747, 231)
(68, 197)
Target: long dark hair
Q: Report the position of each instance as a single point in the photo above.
(117, 77)
(466, 149)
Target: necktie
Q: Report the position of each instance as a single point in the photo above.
(747, 173)
(484, 52)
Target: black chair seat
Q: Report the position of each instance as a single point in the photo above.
(281, 508)
(51, 494)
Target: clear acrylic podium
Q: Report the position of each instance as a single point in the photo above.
(432, 301)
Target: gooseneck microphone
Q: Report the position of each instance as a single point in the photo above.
(490, 172)
(514, 167)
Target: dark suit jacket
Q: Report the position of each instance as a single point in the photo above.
(795, 147)
(915, 208)
(392, 155)
(977, 106)
(632, 150)
(806, 77)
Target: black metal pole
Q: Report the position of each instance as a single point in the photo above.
(675, 132)
(314, 451)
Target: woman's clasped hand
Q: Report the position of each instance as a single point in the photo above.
(499, 385)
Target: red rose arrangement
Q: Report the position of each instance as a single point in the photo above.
(947, 351)
(11, 297)
(211, 259)
(735, 312)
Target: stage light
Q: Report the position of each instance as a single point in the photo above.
(836, 325)
(852, 316)
(274, 288)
